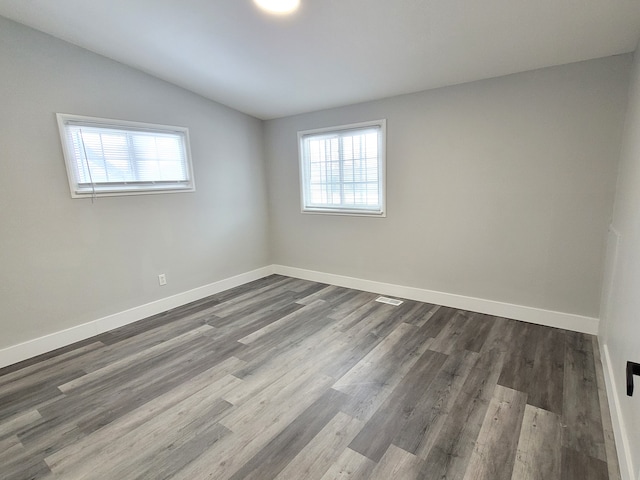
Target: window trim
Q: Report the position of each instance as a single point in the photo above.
(382, 166)
(128, 188)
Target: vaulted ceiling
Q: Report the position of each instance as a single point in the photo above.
(333, 52)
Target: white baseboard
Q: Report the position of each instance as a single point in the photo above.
(47, 343)
(619, 430)
(539, 316)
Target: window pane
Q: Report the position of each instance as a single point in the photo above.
(133, 157)
(342, 168)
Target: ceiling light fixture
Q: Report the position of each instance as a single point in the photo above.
(278, 6)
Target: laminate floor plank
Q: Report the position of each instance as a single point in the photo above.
(192, 365)
(313, 461)
(32, 394)
(375, 367)
(166, 463)
(436, 322)
(577, 466)
(367, 315)
(143, 328)
(452, 449)
(248, 288)
(59, 355)
(251, 435)
(538, 455)
(376, 436)
(347, 307)
(460, 334)
(308, 334)
(545, 389)
(292, 379)
(265, 369)
(419, 313)
(116, 368)
(18, 462)
(372, 379)
(134, 378)
(306, 287)
(284, 447)
(97, 407)
(135, 344)
(125, 455)
(520, 357)
(447, 339)
(12, 425)
(256, 300)
(501, 336)
(363, 335)
(34, 372)
(297, 326)
(216, 379)
(254, 400)
(474, 337)
(331, 294)
(244, 313)
(421, 428)
(248, 324)
(350, 465)
(493, 456)
(397, 463)
(581, 410)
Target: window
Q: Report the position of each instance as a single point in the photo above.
(114, 157)
(342, 169)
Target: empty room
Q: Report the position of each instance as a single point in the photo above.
(320, 239)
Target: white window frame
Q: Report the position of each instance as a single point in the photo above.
(308, 207)
(84, 190)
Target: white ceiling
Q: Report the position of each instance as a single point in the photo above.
(333, 52)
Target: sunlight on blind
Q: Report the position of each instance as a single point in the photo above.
(119, 156)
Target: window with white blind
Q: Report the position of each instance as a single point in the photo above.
(342, 169)
(115, 157)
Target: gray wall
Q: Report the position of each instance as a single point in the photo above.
(67, 261)
(620, 321)
(500, 189)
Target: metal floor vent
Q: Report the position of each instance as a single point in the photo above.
(390, 301)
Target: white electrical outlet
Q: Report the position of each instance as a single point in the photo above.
(162, 279)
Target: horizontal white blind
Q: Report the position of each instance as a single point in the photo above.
(120, 156)
(126, 158)
(342, 169)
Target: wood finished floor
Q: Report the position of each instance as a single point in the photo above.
(290, 379)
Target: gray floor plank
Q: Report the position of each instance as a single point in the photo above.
(577, 466)
(453, 447)
(274, 457)
(313, 461)
(422, 426)
(581, 409)
(397, 463)
(545, 389)
(350, 465)
(538, 455)
(493, 456)
(376, 436)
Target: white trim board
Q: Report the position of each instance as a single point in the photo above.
(619, 430)
(53, 341)
(550, 318)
